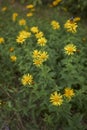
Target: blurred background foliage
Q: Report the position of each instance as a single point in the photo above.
(74, 6)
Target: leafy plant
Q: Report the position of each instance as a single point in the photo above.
(43, 63)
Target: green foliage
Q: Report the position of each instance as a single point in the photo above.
(77, 7)
(29, 107)
(40, 1)
(35, 2)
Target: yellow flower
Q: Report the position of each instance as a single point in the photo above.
(76, 19)
(36, 54)
(39, 57)
(70, 49)
(69, 93)
(24, 34)
(55, 25)
(39, 35)
(30, 6)
(34, 29)
(56, 99)
(1, 40)
(22, 22)
(29, 14)
(37, 62)
(20, 39)
(4, 9)
(14, 16)
(27, 79)
(11, 49)
(56, 2)
(43, 56)
(42, 41)
(13, 58)
(71, 26)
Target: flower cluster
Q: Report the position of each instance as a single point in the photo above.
(31, 8)
(23, 35)
(39, 57)
(43, 66)
(55, 25)
(57, 99)
(41, 40)
(71, 26)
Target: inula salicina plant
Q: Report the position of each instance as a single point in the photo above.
(43, 79)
